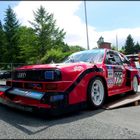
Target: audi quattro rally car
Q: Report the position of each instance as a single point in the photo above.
(84, 77)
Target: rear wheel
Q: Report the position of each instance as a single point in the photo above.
(135, 85)
(96, 93)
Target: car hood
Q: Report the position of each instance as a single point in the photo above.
(54, 66)
(69, 71)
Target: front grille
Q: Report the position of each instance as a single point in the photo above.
(38, 86)
(17, 84)
(34, 75)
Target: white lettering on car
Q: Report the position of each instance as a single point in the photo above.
(78, 68)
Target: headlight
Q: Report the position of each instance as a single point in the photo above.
(56, 98)
(49, 75)
(54, 75)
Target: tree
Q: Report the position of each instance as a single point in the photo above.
(76, 48)
(11, 27)
(114, 48)
(48, 35)
(2, 42)
(129, 45)
(122, 50)
(55, 55)
(137, 47)
(27, 42)
(58, 55)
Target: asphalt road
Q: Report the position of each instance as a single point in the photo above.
(102, 124)
(118, 123)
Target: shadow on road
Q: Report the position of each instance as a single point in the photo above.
(33, 123)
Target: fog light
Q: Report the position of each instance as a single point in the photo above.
(51, 86)
(8, 83)
(56, 98)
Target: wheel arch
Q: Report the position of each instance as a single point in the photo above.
(135, 75)
(104, 82)
(137, 78)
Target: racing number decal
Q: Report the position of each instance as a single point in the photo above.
(118, 78)
(115, 76)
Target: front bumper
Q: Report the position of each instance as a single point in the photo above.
(44, 111)
(32, 109)
(30, 100)
(15, 105)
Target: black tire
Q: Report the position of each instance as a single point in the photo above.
(135, 85)
(97, 81)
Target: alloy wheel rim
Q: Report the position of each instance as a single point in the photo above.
(97, 92)
(135, 84)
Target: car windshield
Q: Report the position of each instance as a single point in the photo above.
(95, 55)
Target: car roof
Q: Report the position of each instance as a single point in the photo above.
(93, 50)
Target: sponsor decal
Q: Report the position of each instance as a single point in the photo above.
(35, 86)
(110, 72)
(110, 82)
(27, 93)
(115, 76)
(21, 75)
(118, 78)
(78, 68)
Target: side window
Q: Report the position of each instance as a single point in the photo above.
(117, 59)
(113, 58)
(109, 58)
(124, 59)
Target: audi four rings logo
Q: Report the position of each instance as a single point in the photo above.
(21, 75)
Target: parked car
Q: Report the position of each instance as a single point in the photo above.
(5, 74)
(86, 77)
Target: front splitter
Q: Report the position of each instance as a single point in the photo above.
(15, 105)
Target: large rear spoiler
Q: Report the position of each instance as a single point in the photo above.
(134, 57)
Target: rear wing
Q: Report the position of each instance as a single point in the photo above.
(134, 59)
(133, 56)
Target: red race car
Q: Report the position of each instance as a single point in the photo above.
(85, 77)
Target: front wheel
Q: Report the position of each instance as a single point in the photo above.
(96, 93)
(135, 85)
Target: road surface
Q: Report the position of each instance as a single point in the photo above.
(121, 123)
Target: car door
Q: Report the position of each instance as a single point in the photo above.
(115, 70)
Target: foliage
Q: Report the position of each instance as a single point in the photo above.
(47, 34)
(122, 50)
(2, 42)
(114, 48)
(129, 45)
(137, 47)
(76, 48)
(11, 27)
(58, 55)
(27, 44)
(43, 42)
(55, 55)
